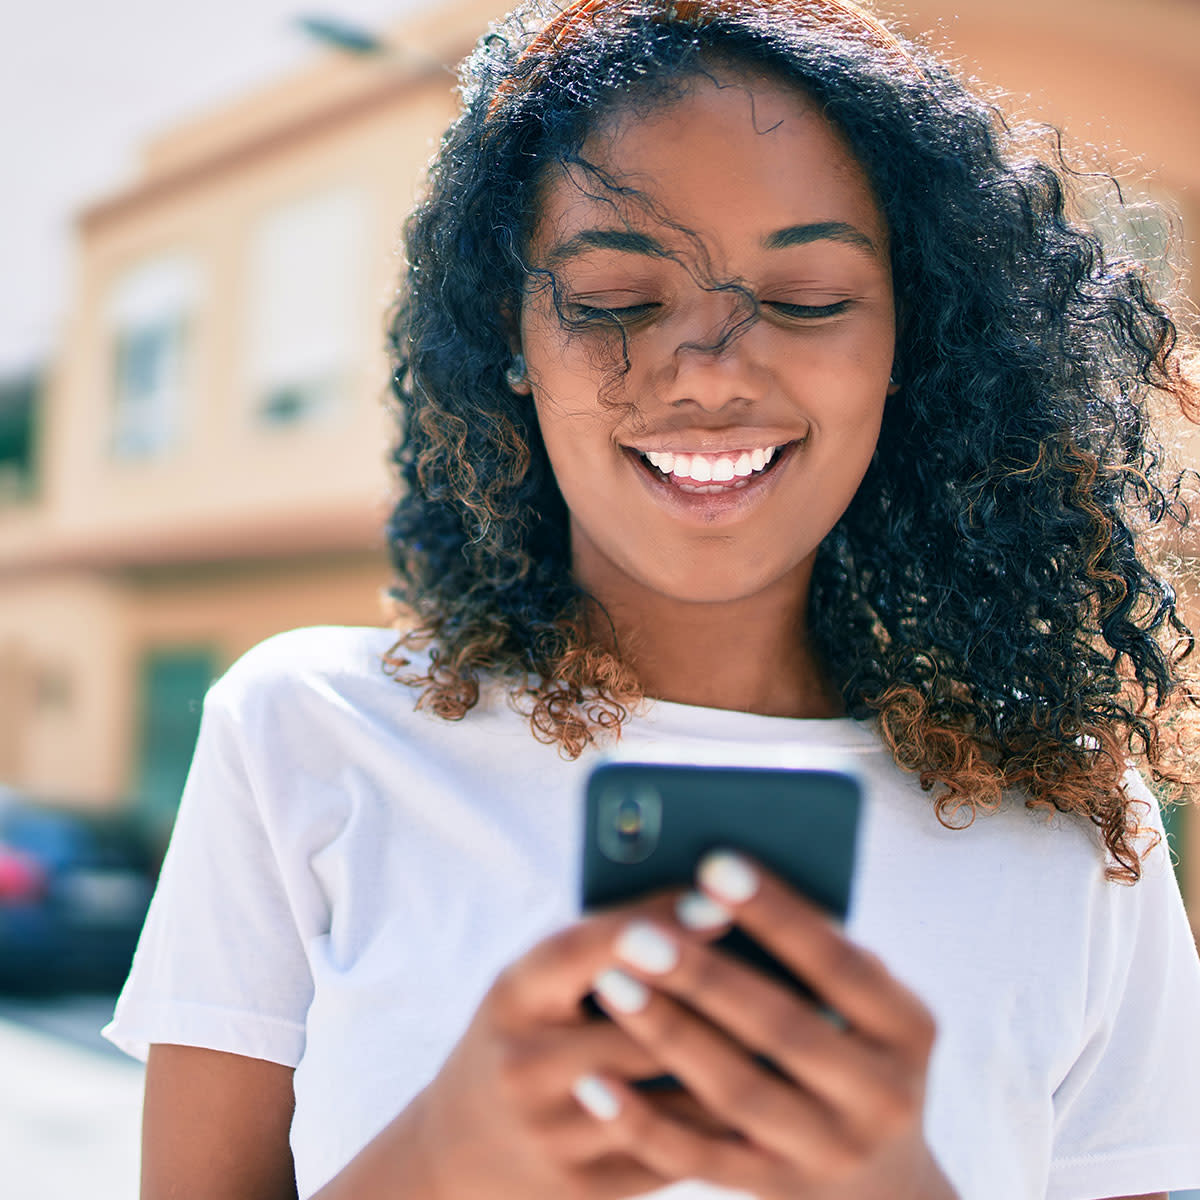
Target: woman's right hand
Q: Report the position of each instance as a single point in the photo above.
(500, 1119)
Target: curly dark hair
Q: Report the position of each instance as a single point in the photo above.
(988, 596)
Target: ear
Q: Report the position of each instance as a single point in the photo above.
(510, 326)
(515, 374)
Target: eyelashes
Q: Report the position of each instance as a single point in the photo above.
(632, 314)
(807, 312)
(625, 316)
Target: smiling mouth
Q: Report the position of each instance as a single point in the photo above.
(713, 474)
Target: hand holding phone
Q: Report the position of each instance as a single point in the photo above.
(649, 823)
(801, 1104)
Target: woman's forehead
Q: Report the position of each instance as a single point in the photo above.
(730, 152)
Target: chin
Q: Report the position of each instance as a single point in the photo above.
(726, 584)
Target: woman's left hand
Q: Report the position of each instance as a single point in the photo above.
(842, 1120)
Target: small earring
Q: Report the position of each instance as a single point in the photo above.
(515, 376)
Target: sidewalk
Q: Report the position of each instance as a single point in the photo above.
(69, 1119)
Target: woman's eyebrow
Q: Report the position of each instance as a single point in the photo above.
(605, 239)
(817, 231)
(632, 242)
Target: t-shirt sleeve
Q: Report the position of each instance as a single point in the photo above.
(221, 962)
(1127, 1113)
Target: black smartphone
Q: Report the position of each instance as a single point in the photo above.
(649, 823)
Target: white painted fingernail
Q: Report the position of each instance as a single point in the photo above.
(695, 910)
(621, 991)
(729, 876)
(646, 947)
(596, 1096)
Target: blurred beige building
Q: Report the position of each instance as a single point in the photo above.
(207, 465)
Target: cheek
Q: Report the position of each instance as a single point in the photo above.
(570, 367)
(855, 357)
(573, 428)
(846, 444)
(583, 455)
(844, 387)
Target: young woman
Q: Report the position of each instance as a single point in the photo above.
(755, 386)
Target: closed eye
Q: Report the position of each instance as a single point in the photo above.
(623, 313)
(628, 313)
(807, 312)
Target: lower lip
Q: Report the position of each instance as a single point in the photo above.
(733, 499)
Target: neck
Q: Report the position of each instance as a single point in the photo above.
(750, 654)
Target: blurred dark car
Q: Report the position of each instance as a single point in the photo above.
(74, 889)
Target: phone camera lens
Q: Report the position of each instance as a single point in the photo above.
(629, 820)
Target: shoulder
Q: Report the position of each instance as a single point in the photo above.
(309, 682)
(302, 656)
(308, 666)
(324, 699)
(1016, 854)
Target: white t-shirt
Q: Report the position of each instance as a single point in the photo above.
(347, 876)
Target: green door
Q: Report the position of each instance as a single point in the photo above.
(173, 685)
(1174, 819)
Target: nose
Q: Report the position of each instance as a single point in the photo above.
(712, 364)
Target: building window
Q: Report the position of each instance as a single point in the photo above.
(20, 397)
(150, 315)
(306, 292)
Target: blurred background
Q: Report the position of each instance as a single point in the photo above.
(200, 245)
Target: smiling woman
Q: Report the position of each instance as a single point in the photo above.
(757, 392)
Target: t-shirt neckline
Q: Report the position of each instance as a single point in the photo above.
(668, 718)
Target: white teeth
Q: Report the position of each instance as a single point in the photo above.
(720, 468)
(705, 489)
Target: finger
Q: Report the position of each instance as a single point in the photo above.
(863, 1083)
(549, 981)
(577, 1141)
(852, 980)
(620, 1176)
(772, 1112)
(673, 1151)
(572, 1135)
(543, 1066)
(680, 1105)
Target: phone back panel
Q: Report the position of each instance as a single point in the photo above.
(802, 824)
